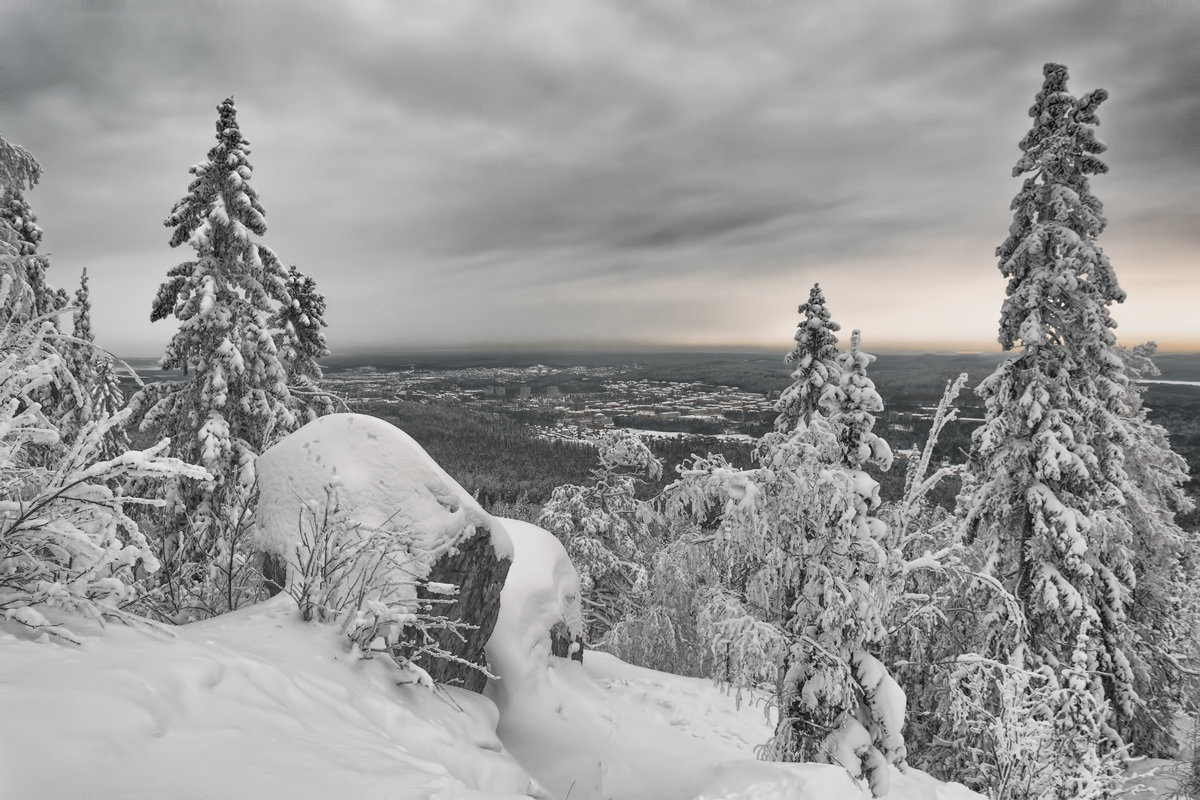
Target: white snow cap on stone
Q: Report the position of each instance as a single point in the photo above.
(385, 482)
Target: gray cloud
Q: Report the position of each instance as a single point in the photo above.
(524, 171)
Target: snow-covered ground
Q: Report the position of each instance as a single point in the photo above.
(259, 704)
(254, 704)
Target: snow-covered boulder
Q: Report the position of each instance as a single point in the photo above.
(539, 609)
(360, 477)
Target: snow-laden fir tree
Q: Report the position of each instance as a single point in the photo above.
(1049, 512)
(297, 325)
(68, 549)
(33, 299)
(815, 358)
(606, 530)
(100, 392)
(834, 616)
(802, 595)
(234, 401)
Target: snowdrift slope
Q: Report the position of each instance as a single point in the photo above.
(252, 704)
(606, 729)
(257, 704)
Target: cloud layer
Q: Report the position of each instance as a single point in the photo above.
(591, 172)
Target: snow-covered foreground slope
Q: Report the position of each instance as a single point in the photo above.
(255, 704)
(606, 729)
(258, 704)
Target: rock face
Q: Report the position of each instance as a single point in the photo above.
(474, 568)
(565, 645)
(361, 480)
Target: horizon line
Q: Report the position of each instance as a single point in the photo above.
(634, 348)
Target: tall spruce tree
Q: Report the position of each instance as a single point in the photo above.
(1048, 514)
(815, 358)
(235, 401)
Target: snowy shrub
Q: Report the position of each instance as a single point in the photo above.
(606, 530)
(66, 541)
(67, 545)
(363, 579)
(1026, 735)
(228, 578)
(1186, 774)
(926, 577)
(666, 632)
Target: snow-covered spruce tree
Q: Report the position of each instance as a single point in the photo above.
(100, 392)
(605, 529)
(1049, 513)
(835, 615)
(67, 547)
(815, 357)
(802, 599)
(234, 401)
(33, 298)
(297, 326)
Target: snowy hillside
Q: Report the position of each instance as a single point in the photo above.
(255, 703)
(259, 704)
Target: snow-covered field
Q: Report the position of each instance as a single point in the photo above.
(259, 704)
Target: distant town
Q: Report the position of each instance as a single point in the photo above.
(572, 403)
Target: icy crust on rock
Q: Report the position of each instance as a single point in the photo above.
(385, 482)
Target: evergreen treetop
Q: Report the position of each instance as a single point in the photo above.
(1060, 282)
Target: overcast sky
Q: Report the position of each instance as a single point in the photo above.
(602, 173)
